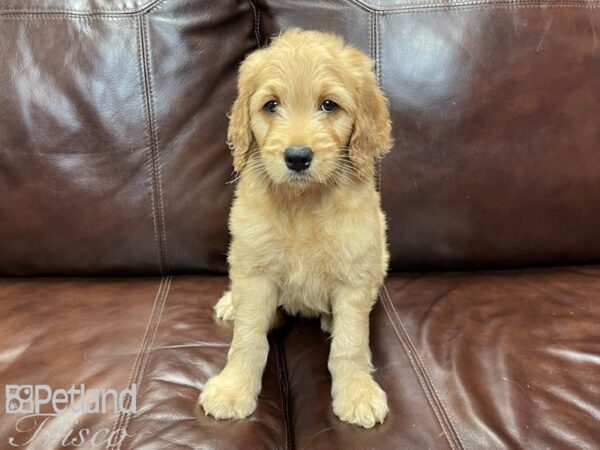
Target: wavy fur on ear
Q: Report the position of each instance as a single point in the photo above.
(239, 135)
(371, 137)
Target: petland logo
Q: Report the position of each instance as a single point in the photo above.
(38, 404)
(28, 399)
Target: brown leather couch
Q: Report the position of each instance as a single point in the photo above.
(114, 197)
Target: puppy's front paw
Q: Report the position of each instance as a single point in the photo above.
(227, 398)
(224, 307)
(359, 400)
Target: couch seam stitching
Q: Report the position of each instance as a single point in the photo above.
(25, 17)
(119, 419)
(135, 368)
(283, 385)
(142, 9)
(433, 5)
(371, 51)
(157, 199)
(478, 6)
(148, 139)
(419, 374)
(422, 375)
(257, 33)
(378, 73)
(162, 221)
(485, 7)
(148, 351)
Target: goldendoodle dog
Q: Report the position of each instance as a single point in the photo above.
(308, 233)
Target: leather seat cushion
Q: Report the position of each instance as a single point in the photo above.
(469, 360)
(504, 359)
(110, 333)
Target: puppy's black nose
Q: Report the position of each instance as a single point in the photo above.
(298, 158)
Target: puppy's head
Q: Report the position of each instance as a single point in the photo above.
(308, 111)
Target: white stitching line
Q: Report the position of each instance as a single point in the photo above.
(139, 8)
(439, 398)
(418, 374)
(378, 42)
(24, 17)
(412, 353)
(148, 136)
(136, 362)
(155, 7)
(473, 6)
(371, 50)
(148, 350)
(427, 5)
(157, 160)
(498, 6)
(258, 37)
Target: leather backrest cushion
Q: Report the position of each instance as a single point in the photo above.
(113, 119)
(74, 6)
(112, 133)
(496, 109)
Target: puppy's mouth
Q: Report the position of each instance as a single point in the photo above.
(304, 177)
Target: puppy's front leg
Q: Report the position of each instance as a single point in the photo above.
(232, 394)
(357, 398)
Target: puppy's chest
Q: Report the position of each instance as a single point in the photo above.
(306, 250)
(306, 264)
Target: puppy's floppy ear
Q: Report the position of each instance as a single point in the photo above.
(371, 136)
(239, 137)
(239, 134)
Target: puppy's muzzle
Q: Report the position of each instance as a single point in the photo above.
(298, 158)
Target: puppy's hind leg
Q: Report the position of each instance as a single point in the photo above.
(224, 308)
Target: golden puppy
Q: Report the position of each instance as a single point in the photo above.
(308, 232)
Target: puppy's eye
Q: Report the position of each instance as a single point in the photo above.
(271, 106)
(329, 106)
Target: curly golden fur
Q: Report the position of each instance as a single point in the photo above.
(311, 242)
